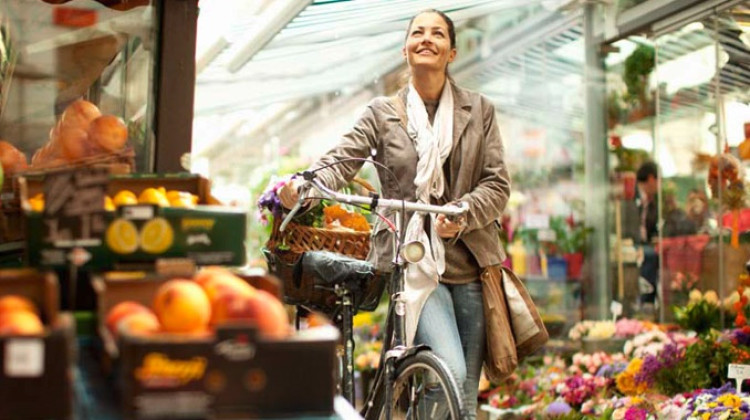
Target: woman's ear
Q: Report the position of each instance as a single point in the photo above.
(452, 55)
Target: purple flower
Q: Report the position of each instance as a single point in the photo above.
(668, 358)
(739, 336)
(271, 201)
(651, 364)
(558, 408)
(610, 370)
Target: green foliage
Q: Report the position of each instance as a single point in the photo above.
(571, 237)
(699, 316)
(704, 366)
(639, 64)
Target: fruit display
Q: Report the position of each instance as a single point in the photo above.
(81, 132)
(37, 346)
(12, 159)
(158, 196)
(195, 306)
(19, 316)
(177, 218)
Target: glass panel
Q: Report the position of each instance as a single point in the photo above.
(688, 232)
(536, 92)
(58, 54)
(689, 245)
(630, 117)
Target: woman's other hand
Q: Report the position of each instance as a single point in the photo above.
(289, 193)
(446, 228)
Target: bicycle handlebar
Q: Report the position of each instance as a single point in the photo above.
(373, 202)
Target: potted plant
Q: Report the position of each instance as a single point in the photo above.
(638, 66)
(572, 238)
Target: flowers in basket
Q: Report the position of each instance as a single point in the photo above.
(323, 215)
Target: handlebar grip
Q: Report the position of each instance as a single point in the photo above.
(293, 211)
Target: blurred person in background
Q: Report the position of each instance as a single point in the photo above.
(443, 146)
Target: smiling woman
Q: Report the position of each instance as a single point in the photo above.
(446, 150)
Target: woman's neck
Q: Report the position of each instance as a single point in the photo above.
(429, 85)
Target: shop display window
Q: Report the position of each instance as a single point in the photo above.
(56, 54)
(693, 125)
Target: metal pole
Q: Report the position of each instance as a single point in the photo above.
(597, 171)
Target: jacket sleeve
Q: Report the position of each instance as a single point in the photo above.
(488, 198)
(357, 143)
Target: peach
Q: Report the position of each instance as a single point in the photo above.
(215, 280)
(76, 144)
(139, 323)
(109, 133)
(11, 303)
(182, 306)
(122, 310)
(20, 323)
(12, 159)
(79, 114)
(261, 308)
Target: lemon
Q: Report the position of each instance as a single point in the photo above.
(154, 196)
(37, 203)
(108, 204)
(156, 236)
(181, 199)
(122, 236)
(125, 197)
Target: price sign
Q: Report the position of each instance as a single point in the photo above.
(24, 357)
(536, 221)
(739, 373)
(74, 207)
(616, 308)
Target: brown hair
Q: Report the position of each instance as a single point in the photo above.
(448, 22)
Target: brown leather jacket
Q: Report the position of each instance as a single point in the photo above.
(478, 174)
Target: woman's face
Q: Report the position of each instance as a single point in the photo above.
(428, 45)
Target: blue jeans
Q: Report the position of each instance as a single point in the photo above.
(452, 324)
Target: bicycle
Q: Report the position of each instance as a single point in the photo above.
(406, 374)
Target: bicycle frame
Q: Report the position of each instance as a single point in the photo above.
(394, 343)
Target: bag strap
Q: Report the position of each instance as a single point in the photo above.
(400, 109)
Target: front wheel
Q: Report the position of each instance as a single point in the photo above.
(424, 389)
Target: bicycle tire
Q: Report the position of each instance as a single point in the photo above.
(408, 389)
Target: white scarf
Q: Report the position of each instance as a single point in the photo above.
(433, 143)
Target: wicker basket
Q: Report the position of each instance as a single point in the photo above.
(299, 238)
(284, 250)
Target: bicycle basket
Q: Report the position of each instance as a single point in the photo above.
(284, 250)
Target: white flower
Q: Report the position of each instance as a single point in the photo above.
(711, 297)
(695, 296)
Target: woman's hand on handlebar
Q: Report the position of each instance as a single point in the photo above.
(289, 192)
(447, 228)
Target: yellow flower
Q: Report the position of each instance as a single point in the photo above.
(712, 404)
(730, 400)
(636, 400)
(706, 416)
(362, 319)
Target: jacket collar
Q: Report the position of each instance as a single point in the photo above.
(461, 109)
